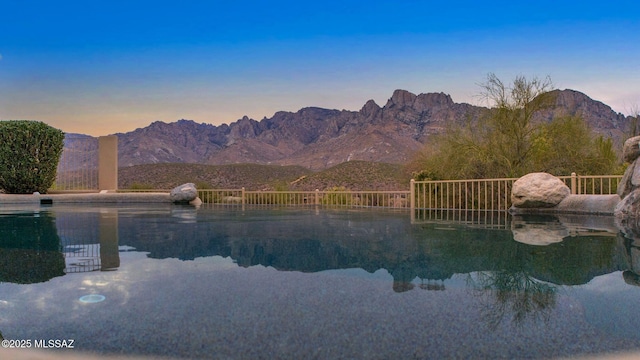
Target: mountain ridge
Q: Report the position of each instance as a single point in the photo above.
(318, 138)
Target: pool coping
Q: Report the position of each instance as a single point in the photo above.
(89, 198)
(578, 205)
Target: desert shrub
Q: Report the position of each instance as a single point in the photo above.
(29, 156)
(280, 185)
(141, 186)
(424, 175)
(337, 195)
(203, 185)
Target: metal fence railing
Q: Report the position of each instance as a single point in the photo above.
(592, 184)
(476, 194)
(387, 199)
(346, 198)
(495, 194)
(78, 165)
(467, 195)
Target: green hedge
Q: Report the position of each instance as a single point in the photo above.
(29, 156)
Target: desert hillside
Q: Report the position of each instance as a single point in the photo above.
(353, 175)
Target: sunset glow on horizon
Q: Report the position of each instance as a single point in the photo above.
(103, 68)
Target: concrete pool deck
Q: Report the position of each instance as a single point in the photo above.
(32, 354)
(29, 354)
(86, 198)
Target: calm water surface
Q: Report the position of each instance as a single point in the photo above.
(316, 283)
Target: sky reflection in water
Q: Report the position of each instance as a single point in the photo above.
(316, 283)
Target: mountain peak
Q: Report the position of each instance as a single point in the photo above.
(401, 98)
(187, 122)
(369, 109)
(600, 115)
(435, 99)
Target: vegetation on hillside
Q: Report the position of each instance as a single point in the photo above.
(352, 175)
(357, 175)
(235, 176)
(506, 142)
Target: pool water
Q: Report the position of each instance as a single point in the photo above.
(321, 283)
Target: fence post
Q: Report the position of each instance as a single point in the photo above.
(317, 197)
(573, 183)
(108, 162)
(412, 199)
(412, 194)
(242, 196)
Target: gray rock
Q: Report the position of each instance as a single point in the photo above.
(184, 193)
(625, 186)
(575, 204)
(635, 177)
(629, 206)
(589, 204)
(538, 190)
(628, 209)
(631, 149)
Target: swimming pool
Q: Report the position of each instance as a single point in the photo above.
(168, 280)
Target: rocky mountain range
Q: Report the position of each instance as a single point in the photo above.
(319, 138)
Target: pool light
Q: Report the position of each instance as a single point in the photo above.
(93, 298)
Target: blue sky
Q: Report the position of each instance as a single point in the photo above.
(100, 67)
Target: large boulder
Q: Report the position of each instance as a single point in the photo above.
(630, 180)
(184, 193)
(629, 206)
(538, 190)
(631, 149)
(629, 187)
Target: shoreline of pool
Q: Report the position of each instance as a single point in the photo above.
(88, 198)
